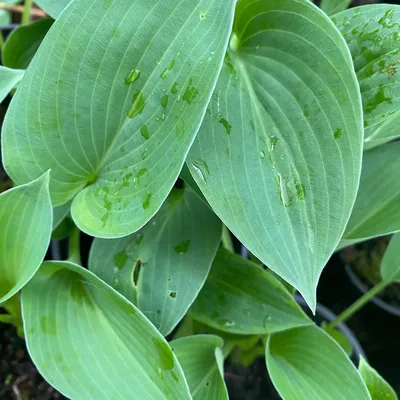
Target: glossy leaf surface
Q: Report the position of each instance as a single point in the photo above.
(122, 93)
(240, 297)
(278, 156)
(202, 362)
(376, 211)
(9, 78)
(372, 34)
(170, 259)
(87, 340)
(378, 388)
(390, 267)
(307, 364)
(23, 42)
(25, 229)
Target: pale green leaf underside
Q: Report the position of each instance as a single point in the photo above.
(112, 102)
(278, 156)
(59, 213)
(334, 6)
(378, 388)
(376, 211)
(91, 343)
(373, 36)
(174, 252)
(240, 297)
(199, 358)
(307, 364)
(52, 7)
(390, 267)
(25, 229)
(9, 78)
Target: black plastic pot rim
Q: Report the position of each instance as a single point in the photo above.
(356, 281)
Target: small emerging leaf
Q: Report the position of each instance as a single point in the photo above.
(25, 229)
(307, 364)
(202, 362)
(378, 388)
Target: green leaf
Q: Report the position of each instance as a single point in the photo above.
(120, 104)
(378, 388)
(340, 338)
(202, 362)
(307, 364)
(9, 78)
(89, 342)
(278, 156)
(25, 229)
(376, 211)
(372, 34)
(59, 213)
(23, 42)
(334, 6)
(240, 297)
(170, 259)
(53, 7)
(390, 267)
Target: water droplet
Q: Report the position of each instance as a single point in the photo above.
(138, 238)
(202, 170)
(261, 154)
(174, 89)
(144, 131)
(182, 247)
(338, 133)
(164, 101)
(202, 16)
(178, 54)
(229, 323)
(120, 259)
(133, 76)
(190, 93)
(137, 106)
(164, 74)
(146, 201)
(234, 42)
(226, 124)
(301, 191)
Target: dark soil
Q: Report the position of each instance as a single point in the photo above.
(19, 379)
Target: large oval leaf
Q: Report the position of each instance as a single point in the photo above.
(307, 364)
(202, 362)
(240, 297)
(112, 102)
(334, 6)
(278, 155)
(372, 34)
(91, 343)
(173, 252)
(25, 229)
(376, 211)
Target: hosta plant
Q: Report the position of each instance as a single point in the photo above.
(165, 128)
